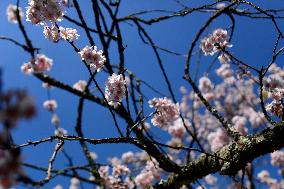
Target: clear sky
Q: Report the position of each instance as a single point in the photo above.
(253, 42)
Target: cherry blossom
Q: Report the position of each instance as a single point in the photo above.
(80, 85)
(51, 33)
(127, 157)
(119, 170)
(178, 129)
(115, 89)
(167, 112)
(68, 34)
(93, 57)
(38, 65)
(240, 124)
(41, 11)
(224, 58)
(60, 132)
(55, 119)
(218, 139)
(74, 183)
(212, 43)
(277, 158)
(12, 13)
(50, 105)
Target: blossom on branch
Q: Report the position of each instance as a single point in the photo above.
(115, 89)
(93, 57)
(38, 65)
(50, 105)
(12, 13)
(167, 112)
(41, 11)
(80, 85)
(212, 44)
(51, 33)
(277, 158)
(68, 34)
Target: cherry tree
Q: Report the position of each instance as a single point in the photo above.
(223, 128)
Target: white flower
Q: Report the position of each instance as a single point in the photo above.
(213, 42)
(80, 85)
(60, 132)
(68, 34)
(93, 57)
(167, 112)
(115, 89)
(51, 33)
(39, 11)
(50, 105)
(55, 119)
(277, 158)
(12, 13)
(38, 65)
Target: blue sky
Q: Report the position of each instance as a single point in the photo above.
(253, 42)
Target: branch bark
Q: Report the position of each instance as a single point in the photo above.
(240, 152)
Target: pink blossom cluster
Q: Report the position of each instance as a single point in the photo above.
(55, 119)
(58, 186)
(128, 157)
(12, 13)
(239, 123)
(274, 90)
(264, 177)
(224, 58)
(205, 84)
(229, 92)
(212, 44)
(51, 33)
(50, 105)
(177, 129)
(41, 11)
(68, 34)
(210, 179)
(218, 139)
(276, 106)
(38, 65)
(55, 34)
(120, 177)
(151, 172)
(74, 183)
(175, 142)
(206, 87)
(93, 57)
(277, 158)
(80, 85)
(66, 3)
(60, 132)
(119, 170)
(46, 85)
(225, 72)
(93, 155)
(143, 173)
(115, 89)
(276, 73)
(167, 112)
(131, 157)
(275, 79)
